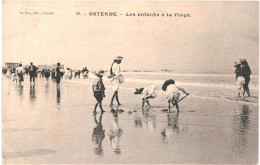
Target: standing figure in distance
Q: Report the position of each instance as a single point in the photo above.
(240, 79)
(19, 73)
(58, 74)
(246, 73)
(32, 72)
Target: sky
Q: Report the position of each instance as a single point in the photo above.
(215, 36)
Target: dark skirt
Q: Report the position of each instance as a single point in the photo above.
(98, 96)
(20, 76)
(247, 80)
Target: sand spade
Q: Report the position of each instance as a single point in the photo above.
(181, 99)
(177, 102)
(164, 87)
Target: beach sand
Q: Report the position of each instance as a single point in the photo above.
(43, 124)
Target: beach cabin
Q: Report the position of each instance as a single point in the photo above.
(11, 64)
(41, 67)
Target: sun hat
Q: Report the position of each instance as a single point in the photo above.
(138, 91)
(99, 73)
(166, 83)
(118, 58)
(242, 59)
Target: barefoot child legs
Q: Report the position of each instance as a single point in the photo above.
(147, 93)
(240, 82)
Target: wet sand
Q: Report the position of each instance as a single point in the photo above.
(44, 124)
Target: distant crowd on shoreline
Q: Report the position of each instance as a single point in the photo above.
(35, 72)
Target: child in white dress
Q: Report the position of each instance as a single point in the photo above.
(173, 94)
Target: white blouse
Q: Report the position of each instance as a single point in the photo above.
(116, 69)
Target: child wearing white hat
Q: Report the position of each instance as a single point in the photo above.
(117, 78)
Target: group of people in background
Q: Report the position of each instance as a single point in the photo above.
(242, 74)
(32, 71)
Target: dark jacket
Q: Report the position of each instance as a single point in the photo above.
(32, 70)
(99, 86)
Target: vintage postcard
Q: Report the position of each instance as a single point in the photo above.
(134, 82)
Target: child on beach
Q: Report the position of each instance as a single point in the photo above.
(117, 78)
(240, 80)
(19, 73)
(149, 92)
(173, 94)
(98, 90)
(14, 77)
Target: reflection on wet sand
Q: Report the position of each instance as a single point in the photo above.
(47, 88)
(173, 121)
(196, 134)
(27, 153)
(146, 117)
(20, 89)
(32, 92)
(58, 94)
(138, 121)
(98, 135)
(115, 132)
(241, 126)
(149, 118)
(172, 127)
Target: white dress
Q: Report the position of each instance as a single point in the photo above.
(149, 91)
(115, 79)
(8, 73)
(240, 82)
(67, 74)
(172, 92)
(19, 70)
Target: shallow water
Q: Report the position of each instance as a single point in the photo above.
(49, 124)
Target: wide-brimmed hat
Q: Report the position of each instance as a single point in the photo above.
(237, 63)
(118, 58)
(138, 91)
(243, 61)
(99, 73)
(166, 83)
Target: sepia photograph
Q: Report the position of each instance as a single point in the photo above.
(130, 82)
